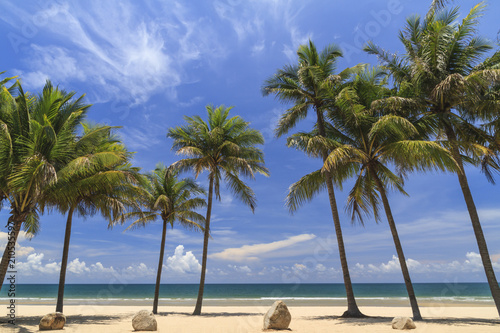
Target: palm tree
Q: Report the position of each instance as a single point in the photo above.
(7, 104)
(172, 199)
(40, 142)
(99, 179)
(225, 148)
(445, 83)
(311, 85)
(374, 141)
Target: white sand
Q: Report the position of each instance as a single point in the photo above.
(242, 319)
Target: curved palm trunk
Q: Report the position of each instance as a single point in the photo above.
(399, 249)
(9, 251)
(474, 218)
(64, 261)
(352, 308)
(199, 300)
(160, 266)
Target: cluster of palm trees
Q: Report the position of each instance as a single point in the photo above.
(440, 111)
(52, 159)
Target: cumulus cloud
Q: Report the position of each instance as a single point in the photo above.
(181, 263)
(21, 251)
(472, 263)
(253, 252)
(138, 271)
(78, 267)
(99, 268)
(34, 265)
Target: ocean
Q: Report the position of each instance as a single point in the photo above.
(386, 294)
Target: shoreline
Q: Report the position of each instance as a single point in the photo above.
(303, 302)
(248, 319)
(399, 302)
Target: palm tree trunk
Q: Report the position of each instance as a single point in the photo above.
(64, 261)
(199, 301)
(352, 308)
(399, 248)
(474, 217)
(160, 266)
(9, 251)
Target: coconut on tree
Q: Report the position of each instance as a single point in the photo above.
(224, 147)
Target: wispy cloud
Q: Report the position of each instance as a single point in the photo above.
(126, 50)
(253, 252)
(251, 21)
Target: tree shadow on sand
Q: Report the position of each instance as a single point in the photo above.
(440, 321)
(23, 322)
(212, 314)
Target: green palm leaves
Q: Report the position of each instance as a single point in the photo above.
(98, 180)
(449, 89)
(225, 147)
(169, 198)
(312, 84)
(166, 196)
(38, 140)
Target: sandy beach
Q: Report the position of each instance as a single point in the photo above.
(242, 319)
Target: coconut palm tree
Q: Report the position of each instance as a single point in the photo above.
(225, 148)
(41, 140)
(445, 80)
(98, 180)
(376, 141)
(311, 85)
(7, 104)
(172, 199)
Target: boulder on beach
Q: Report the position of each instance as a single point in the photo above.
(144, 320)
(278, 317)
(52, 321)
(403, 323)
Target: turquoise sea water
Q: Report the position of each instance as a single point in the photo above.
(253, 294)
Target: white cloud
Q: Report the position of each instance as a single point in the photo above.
(183, 263)
(471, 264)
(258, 48)
(34, 265)
(137, 271)
(253, 252)
(140, 139)
(240, 269)
(222, 231)
(249, 20)
(126, 51)
(99, 268)
(77, 267)
(21, 251)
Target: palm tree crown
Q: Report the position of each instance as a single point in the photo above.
(225, 147)
(172, 199)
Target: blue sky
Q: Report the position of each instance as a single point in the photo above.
(145, 64)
